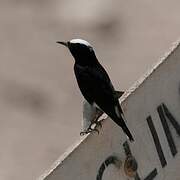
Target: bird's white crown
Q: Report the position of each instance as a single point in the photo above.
(80, 41)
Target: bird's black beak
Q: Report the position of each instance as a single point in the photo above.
(63, 43)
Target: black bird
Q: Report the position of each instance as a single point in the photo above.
(94, 82)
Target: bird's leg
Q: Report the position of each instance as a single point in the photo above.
(89, 130)
(94, 122)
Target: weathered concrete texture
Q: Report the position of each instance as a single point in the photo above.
(160, 85)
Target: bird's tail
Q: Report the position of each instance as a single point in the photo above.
(120, 121)
(127, 132)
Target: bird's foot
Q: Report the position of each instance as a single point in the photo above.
(92, 127)
(89, 130)
(98, 124)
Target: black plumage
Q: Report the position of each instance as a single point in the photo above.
(95, 83)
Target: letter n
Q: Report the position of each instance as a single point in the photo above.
(164, 114)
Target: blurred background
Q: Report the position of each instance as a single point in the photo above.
(40, 103)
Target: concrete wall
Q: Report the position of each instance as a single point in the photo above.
(156, 152)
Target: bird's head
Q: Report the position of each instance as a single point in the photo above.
(81, 50)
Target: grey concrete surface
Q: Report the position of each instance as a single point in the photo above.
(40, 104)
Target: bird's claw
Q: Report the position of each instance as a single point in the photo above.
(96, 130)
(98, 124)
(89, 130)
(82, 133)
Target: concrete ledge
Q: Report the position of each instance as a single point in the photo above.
(61, 159)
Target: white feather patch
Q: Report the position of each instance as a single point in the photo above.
(80, 41)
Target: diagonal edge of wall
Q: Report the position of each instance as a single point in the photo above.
(61, 159)
(129, 92)
(149, 72)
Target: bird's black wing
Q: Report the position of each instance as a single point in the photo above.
(96, 87)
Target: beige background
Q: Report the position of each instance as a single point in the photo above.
(40, 104)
